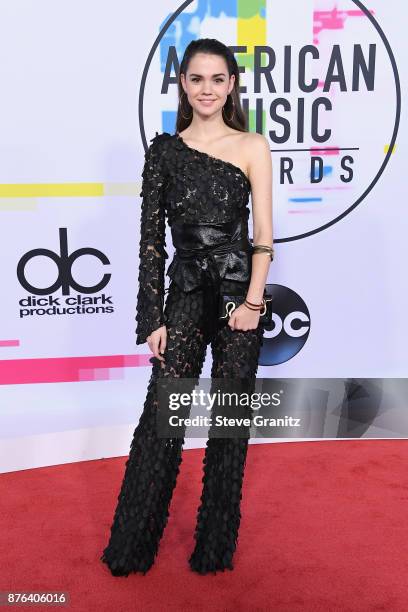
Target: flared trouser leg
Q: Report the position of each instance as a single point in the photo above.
(153, 465)
(235, 356)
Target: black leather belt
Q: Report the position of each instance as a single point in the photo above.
(213, 239)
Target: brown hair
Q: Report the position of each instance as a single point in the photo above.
(232, 114)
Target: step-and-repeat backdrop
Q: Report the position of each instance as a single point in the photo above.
(85, 86)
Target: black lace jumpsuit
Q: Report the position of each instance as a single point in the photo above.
(206, 202)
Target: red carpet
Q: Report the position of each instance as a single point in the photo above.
(324, 527)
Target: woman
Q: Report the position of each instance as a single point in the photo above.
(201, 178)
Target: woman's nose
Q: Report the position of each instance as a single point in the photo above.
(207, 89)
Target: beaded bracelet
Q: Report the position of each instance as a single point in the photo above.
(250, 307)
(261, 308)
(255, 305)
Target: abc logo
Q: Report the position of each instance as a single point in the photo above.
(64, 262)
(291, 326)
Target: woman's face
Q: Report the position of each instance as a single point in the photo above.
(207, 83)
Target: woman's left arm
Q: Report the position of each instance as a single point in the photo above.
(260, 176)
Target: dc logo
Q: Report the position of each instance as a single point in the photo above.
(64, 262)
(291, 327)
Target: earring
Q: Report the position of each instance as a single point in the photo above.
(233, 109)
(181, 107)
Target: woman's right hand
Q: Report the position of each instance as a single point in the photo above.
(157, 341)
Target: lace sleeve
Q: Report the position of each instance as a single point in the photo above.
(152, 253)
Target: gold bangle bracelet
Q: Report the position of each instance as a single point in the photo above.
(263, 248)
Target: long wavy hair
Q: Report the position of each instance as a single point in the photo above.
(232, 112)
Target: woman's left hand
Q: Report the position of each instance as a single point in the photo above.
(244, 319)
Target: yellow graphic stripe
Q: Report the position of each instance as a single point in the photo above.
(251, 29)
(70, 190)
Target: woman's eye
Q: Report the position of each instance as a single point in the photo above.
(195, 79)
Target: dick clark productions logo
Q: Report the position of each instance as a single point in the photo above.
(65, 281)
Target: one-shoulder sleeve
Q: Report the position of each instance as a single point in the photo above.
(152, 252)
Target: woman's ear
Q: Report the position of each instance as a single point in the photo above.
(232, 82)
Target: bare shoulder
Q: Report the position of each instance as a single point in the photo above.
(258, 154)
(253, 147)
(256, 144)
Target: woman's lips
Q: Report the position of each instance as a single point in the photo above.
(206, 102)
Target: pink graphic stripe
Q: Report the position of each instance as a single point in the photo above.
(332, 151)
(335, 188)
(333, 20)
(9, 343)
(68, 369)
